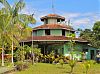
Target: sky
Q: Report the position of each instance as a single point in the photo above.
(81, 13)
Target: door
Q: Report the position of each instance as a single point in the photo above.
(92, 54)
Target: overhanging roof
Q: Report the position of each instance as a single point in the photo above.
(52, 38)
(54, 26)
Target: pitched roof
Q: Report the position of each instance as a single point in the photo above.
(54, 26)
(52, 38)
(52, 16)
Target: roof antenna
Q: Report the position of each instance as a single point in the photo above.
(53, 9)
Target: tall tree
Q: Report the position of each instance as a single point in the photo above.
(4, 32)
(96, 33)
(17, 19)
(93, 36)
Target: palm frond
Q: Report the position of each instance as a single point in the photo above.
(6, 4)
(19, 6)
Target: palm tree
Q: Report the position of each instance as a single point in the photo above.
(17, 19)
(4, 32)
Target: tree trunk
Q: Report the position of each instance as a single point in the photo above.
(71, 70)
(23, 52)
(32, 51)
(12, 60)
(32, 57)
(2, 55)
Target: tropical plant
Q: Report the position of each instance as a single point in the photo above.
(21, 66)
(16, 20)
(93, 36)
(87, 64)
(61, 61)
(72, 64)
(4, 32)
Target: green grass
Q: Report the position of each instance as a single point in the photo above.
(42, 68)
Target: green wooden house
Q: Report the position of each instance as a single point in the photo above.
(54, 35)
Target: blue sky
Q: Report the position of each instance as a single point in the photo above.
(82, 13)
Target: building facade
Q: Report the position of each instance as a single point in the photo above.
(54, 35)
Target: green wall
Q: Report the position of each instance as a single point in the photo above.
(40, 32)
(78, 48)
(53, 32)
(56, 32)
(35, 33)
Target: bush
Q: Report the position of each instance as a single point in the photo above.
(56, 60)
(72, 64)
(21, 66)
(61, 61)
(67, 57)
(87, 64)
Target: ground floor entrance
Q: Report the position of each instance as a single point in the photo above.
(63, 48)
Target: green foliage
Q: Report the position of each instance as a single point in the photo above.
(36, 51)
(70, 35)
(87, 64)
(21, 66)
(72, 64)
(61, 61)
(56, 60)
(11, 20)
(13, 26)
(96, 27)
(19, 54)
(93, 36)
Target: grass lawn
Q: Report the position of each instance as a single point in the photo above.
(42, 68)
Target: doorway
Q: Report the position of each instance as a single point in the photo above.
(92, 54)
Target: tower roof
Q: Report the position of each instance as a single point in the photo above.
(52, 16)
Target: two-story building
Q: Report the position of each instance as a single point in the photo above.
(54, 35)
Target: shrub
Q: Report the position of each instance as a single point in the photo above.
(72, 64)
(21, 66)
(56, 60)
(67, 57)
(61, 61)
(87, 64)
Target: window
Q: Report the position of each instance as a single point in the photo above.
(47, 31)
(46, 21)
(58, 20)
(63, 32)
(73, 32)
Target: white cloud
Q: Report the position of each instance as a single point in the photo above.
(82, 21)
(71, 15)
